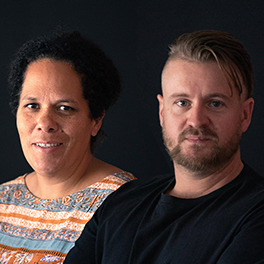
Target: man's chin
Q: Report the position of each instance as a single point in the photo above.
(199, 166)
(194, 159)
(195, 152)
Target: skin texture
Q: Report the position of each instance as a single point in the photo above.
(202, 125)
(55, 128)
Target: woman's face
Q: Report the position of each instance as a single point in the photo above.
(53, 119)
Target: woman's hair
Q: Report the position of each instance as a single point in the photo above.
(221, 47)
(100, 78)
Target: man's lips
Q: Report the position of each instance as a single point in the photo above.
(198, 135)
(198, 138)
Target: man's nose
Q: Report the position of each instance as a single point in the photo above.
(198, 116)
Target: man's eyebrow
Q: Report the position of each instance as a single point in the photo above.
(174, 95)
(211, 95)
(220, 95)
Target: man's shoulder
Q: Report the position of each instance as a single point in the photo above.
(138, 190)
(158, 183)
(252, 176)
(249, 185)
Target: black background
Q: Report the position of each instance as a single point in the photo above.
(135, 34)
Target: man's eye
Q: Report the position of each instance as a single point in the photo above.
(216, 104)
(182, 103)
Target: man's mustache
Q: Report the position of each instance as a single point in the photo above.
(202, 132)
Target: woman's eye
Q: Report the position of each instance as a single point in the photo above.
(32, 106)
(65, 108)
(182, 103)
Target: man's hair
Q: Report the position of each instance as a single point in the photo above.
(221, 47)
(99, 77)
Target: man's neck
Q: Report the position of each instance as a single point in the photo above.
(191, 185)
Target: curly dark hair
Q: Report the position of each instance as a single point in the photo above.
(100, 78)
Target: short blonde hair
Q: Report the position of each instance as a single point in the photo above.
(221, 47)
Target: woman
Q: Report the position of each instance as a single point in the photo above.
(61, 86)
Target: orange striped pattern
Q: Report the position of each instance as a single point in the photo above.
(34, 230)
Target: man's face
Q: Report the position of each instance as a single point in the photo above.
(202, 121)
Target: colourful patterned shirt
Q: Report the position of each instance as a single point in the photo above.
(34, 230)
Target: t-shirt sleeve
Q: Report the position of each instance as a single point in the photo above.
(84, 250)
(247, 246)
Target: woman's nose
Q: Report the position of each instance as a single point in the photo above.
(47, 122)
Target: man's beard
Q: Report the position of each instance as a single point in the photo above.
(198, 161)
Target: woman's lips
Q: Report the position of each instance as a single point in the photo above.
(47, 145)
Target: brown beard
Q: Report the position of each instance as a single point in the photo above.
(197, 162)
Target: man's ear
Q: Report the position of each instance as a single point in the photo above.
(97, 123)
(160, 99)
(246, 115)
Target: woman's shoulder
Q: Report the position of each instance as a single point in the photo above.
(113, 181)
(20, 180)
(109, 176)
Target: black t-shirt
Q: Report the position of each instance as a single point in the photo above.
(139, 224)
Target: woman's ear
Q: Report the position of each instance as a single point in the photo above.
(97, 123)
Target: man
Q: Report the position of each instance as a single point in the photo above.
(212, 211)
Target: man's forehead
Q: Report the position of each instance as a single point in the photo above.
(179, 69)
(182, 76)
(234, 80)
